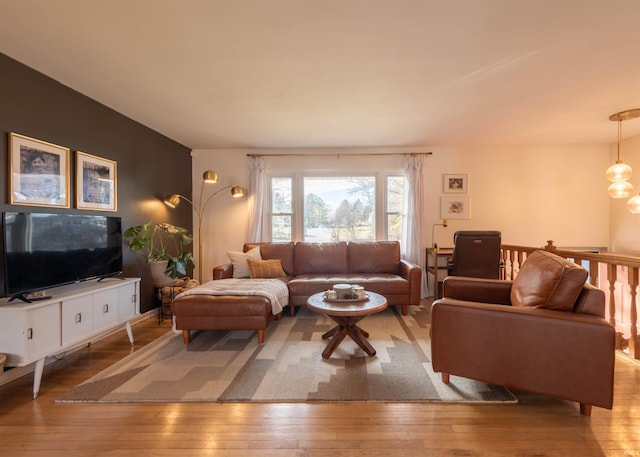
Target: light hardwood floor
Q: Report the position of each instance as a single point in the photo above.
(536, 426)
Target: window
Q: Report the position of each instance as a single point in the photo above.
(336, 208)
(339, 208)
(395, 206)
(281, 208)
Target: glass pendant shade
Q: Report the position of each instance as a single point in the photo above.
(619, 172)
(620, 189)
(634, 204)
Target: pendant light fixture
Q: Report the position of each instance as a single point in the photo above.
(619, 173)
(634, 204)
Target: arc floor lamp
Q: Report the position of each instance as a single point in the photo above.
(208, 177)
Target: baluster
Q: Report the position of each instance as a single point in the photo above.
(522, 256)
(513, 264)
(634, 348)
(612, 277)
(594, 267)
(503, 256)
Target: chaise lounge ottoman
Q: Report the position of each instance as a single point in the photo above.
(230, 304)
(202, 312)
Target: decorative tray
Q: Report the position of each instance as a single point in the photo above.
(345, 300)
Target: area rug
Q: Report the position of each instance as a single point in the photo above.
(230, 366)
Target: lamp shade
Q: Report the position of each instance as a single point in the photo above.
(172, 200)
(634, 204)
(210, 177)
(620, 189)
(619, 172)
(237, 191)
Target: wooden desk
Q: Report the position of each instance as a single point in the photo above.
(437, 260)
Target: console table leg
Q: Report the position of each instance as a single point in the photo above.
(127, 326)
(37, 377)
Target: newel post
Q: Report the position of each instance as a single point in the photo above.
(550, 246)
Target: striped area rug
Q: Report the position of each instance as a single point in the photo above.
(230, 366)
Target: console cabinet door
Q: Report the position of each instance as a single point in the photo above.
(128, 301)
(27, 335)
(42, 332)
(77, 319)
(105, 309)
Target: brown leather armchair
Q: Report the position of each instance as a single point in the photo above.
(544, 332)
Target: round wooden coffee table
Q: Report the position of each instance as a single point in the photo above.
(347, 315)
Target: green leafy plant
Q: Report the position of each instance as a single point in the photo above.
(162, 242)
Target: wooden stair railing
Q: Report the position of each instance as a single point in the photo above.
(620, 285)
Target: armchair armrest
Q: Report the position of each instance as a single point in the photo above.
(495, 291)
(412, 273)
(224, 271)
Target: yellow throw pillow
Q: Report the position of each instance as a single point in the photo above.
(265, 268)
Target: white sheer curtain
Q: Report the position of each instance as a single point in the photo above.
(412, 233)
(256, 199)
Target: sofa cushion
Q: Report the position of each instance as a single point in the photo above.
(311, 258)
(548, 281)
(373, 256)
(282, 251)
(239, 261)
(271, 268)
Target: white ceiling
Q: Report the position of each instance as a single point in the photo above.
(342, 73)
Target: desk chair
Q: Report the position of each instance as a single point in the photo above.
(476, 254)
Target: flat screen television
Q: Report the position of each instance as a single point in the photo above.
(41, 250)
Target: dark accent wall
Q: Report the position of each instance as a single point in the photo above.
(149, 165)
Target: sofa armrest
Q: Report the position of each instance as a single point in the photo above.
(477, 289)
(412, 273)
(556, 353)
(224, 271)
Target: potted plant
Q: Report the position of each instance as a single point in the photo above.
(164, 247)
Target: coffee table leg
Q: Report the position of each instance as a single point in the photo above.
(365, 334)
(330, 332)
(359, 337)
(347, 326)
(338, 333)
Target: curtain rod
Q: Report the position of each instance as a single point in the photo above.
(338, 155)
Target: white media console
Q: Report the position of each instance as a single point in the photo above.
(73, 315)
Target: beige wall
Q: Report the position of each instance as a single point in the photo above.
(530, 194)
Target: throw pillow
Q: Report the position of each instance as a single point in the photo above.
(271, 268)
(548, 281)
(239, 261)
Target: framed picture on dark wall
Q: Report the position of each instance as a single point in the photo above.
(456, 184)
(38, 172)
(96, 183)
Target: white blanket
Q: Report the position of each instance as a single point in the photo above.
(275, 290)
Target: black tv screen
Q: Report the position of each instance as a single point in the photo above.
(43, 250)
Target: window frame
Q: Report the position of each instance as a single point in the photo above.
(380, 219)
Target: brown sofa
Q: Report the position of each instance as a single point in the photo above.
(308, 268)
(316, 267)
(545, 332)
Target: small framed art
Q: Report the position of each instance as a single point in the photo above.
(96, 183)
(454, 207)
(456, 184)
(38, 172)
